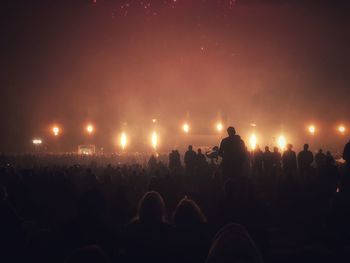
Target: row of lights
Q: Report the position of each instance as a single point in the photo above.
(312, 129)
(90, 128)
(123, 139)
(281, 140)
(186, 128)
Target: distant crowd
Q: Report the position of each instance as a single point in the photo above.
(225, 205)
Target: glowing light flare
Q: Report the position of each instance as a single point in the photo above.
(253, 141)
(154, 140)
(90, 128)
(186, 128)
(219, 127)
(56, 130)
(37, 141)
(312, 129)
(123, 141)
(282, 142)
(342, 129)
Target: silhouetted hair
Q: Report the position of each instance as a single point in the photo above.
(231, 131)
(187, 213)
(233, 244)
(151, 208)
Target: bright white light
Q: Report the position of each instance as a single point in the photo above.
(253, 140)
(312, 129)
(37, 141)
(341, 129)
(219, 127)
(154, 120)
(90, 128)
(55, 130)
(282, 142)
(186, 128)
(123, 140)
(154, 140)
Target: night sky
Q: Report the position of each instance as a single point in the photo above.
(274, 63)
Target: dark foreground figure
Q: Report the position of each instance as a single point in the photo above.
(291, 211)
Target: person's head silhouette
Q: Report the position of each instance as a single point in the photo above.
(151, 208)
(199, 150)
(231, 131)
(267, 149)
(306, 147)
(275, 149)
(190, 147)
(289, 147)
(188, 213)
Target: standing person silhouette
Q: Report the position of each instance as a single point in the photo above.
(232, 150)
(190, 159)
(345, 181)
(305, 159)
(320, 158)
(346, 157)
(289, 160)
(346, 154)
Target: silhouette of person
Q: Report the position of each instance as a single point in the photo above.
(149, 237)
(289, 160)
(329, 158)
(190, 159)
(258, 159)
(152, 162)
(233, 243)
(346, 154)
(328, 178)
(320, 158)
(305, 159)
(177, 160)
(276, 159)
(345, 180)
(174, 160)
(193, 233)
(232, 150)
(201, 160)
(268, 160)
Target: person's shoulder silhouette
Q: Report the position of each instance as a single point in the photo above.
(346, 153)
(231, 146)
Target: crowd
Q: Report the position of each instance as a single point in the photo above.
(227, 205)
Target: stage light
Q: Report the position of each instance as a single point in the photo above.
(154, 140)
(186, 128)
(253, 140)
(154, 120)
(123, 140)
(219, 127)
(312, 129)
(90, 128)
(341, 129)
(37, 141)
(56, 130)
(282, 143)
